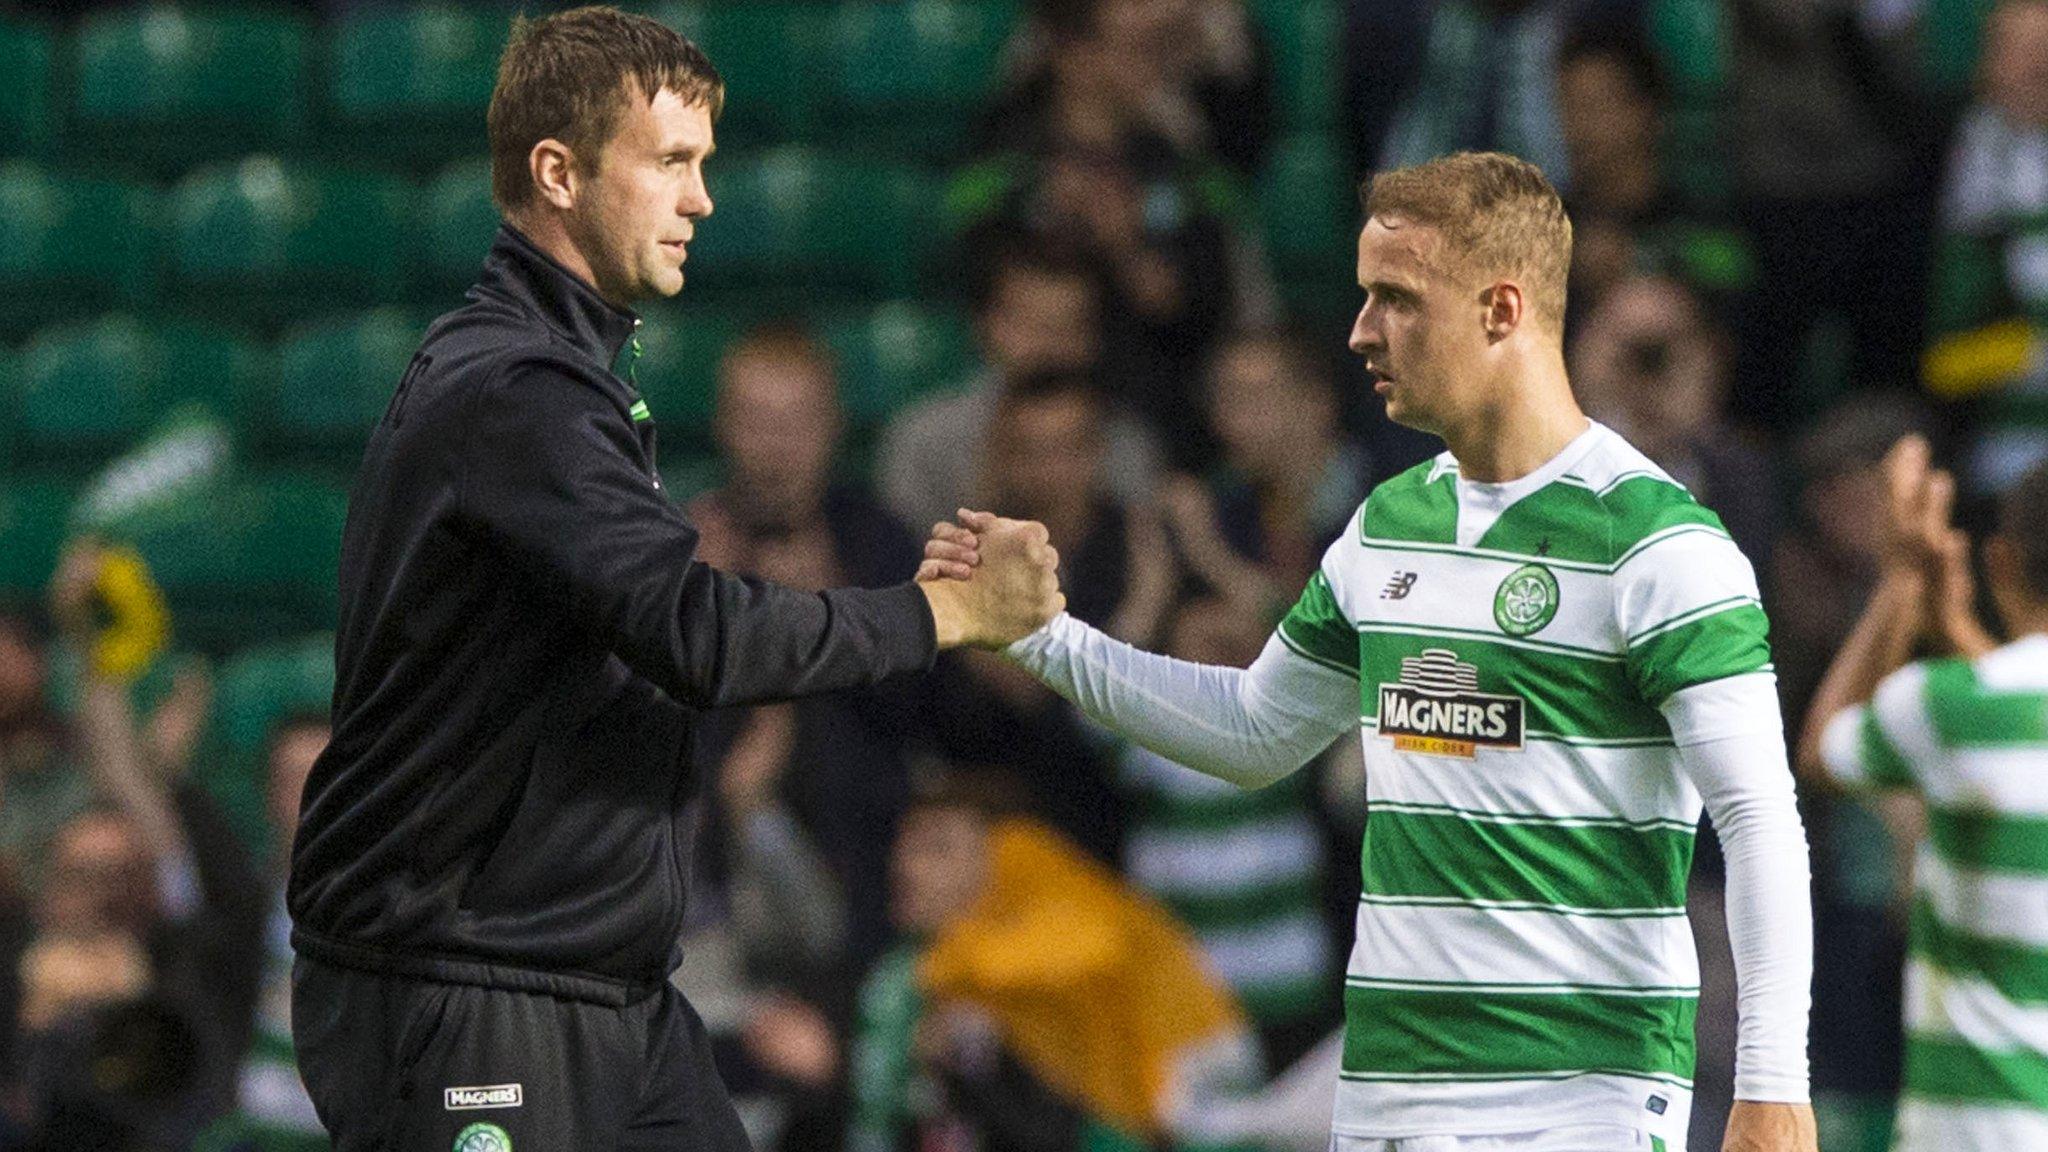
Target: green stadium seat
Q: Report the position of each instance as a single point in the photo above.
(271, 241)
(895, 353)
(70, 244)
(26, 83)
(770, 54)
(1691, 41)
(254, 561)
(335, 377)
(35, 518)
(910, 75)
(808, 224)
(680, 348)
(411, 84)
(1305, 38)
(165, 87)
(88, 391)
(460, 221)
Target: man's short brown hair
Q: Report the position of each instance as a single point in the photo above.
(1498, 217)
(568, 76)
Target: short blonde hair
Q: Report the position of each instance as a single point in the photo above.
(1498, 216)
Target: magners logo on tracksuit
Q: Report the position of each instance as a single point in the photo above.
(1437, 708)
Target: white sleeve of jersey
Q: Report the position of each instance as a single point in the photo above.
(1731, 741)
(1250, 726)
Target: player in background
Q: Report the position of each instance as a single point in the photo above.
(1968, 735)
(1555, 657)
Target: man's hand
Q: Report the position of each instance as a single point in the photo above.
(1754, 1126)
(990, 581)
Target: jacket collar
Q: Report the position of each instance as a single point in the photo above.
(516, 267)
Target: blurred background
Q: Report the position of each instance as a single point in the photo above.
(1087, 261)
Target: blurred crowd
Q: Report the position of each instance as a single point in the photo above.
(949, 915)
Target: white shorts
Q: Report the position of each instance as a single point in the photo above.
(1569, 1138)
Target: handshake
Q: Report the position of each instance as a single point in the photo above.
(990, 581)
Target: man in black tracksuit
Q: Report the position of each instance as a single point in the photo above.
(488, 878)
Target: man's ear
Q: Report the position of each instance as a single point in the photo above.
(1505, 309)
(553, 168)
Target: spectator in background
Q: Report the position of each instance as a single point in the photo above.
(1192, 72)
(271, 1102)
(1037, 308)
(1290, 477)
(155, 878)
(1243, 870)
(1992, 274)
(1423, 78)
(1627, 215)
(1650, 363)
(1172, 271)
(1831, 139)
(782, 516)
(1045, 462)
(1040, 1005)
(40, 787)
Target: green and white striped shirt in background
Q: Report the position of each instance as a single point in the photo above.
(1972, 740)
(1243, 871)
(1523, 950)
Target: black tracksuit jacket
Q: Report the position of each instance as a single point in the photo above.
(524, 639)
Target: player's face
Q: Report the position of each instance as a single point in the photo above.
(638, 209)
(1421, 331)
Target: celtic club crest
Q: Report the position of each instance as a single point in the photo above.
(1526, 600)
(483, 1138)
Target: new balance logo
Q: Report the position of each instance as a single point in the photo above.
(488, 1096)
(1399, 587)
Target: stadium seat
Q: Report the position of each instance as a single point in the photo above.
(678, 371)
(34, 520)
(459, 221)
(1691, 41)
(911, 75)
(254, 561)
(812, 224)
(70, 244)
(165, 87)
(26, 80)
(335, 377)
(894, 353)
(271, 241)
(769, 53)
(410, 84)
(1304, 38)
(91, 390)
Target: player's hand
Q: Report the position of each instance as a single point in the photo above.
(1011, 590)
(952, 553)
(1754, 1126)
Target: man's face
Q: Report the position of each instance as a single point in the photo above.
(1264, 418)
(1046, 453)
(2016, 61)
(1606, 119)
(100, 878)
(778, 421)
(637, 207)
(1039, 321)
(1422, 330)
(940, 866)
(21, 673)
(291, 761)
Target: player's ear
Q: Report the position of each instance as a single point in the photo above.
(553, 168)
(1505, 309)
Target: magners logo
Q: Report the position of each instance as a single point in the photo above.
(1438, 709)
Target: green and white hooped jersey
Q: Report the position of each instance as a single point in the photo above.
(1972, 739)
(1523, 950)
